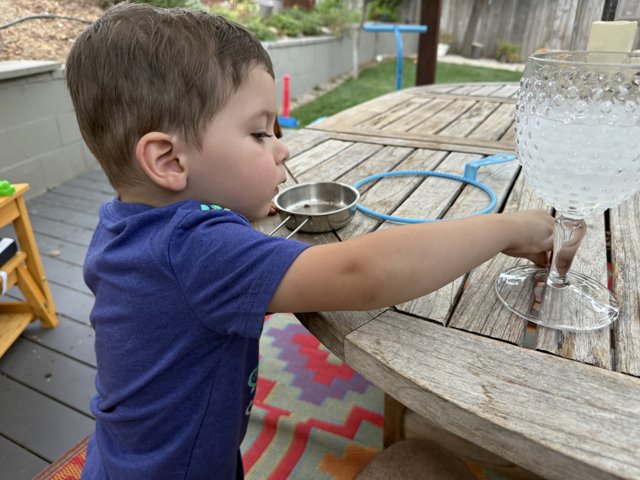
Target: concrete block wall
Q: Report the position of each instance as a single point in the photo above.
(39, 136)
(40, 142)
(314, 61)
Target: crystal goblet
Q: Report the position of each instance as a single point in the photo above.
(578, 141)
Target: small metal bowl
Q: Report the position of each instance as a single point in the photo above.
(316, 207)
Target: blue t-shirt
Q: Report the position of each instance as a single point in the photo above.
(181, 293)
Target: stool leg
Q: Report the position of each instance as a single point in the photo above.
(27, 243)
(41, 307)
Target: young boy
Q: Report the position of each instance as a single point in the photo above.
(179, 108)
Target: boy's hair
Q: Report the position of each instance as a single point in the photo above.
(140, 69)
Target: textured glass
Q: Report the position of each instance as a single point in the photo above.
(578, 129)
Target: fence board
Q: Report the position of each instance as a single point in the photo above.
(529, 24)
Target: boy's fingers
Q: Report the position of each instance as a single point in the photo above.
(540, 259)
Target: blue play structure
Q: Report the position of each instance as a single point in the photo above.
(397, 30)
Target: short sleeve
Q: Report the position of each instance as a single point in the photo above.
(227, 270)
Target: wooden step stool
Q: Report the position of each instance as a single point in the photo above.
(25, 269)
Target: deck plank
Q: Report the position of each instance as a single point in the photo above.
(17, 462)
(69, 338)
(65, 201)
(70, 382)
(43, 425)
(53, 228)
(80, 192)
(64, 273)
(61, 249)
(62, 214)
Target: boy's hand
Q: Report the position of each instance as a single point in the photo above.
(532, 232)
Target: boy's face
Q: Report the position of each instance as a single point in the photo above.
(241, 162)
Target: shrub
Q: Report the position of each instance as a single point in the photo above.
(384, 10)
(507, 51)
(261, 30)
(158, 3)
(336, 16)
(330, 16)
(445, 37)
(285, 22)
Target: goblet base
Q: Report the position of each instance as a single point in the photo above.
(581, 305)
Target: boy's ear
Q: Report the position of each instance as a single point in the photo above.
(157, 155)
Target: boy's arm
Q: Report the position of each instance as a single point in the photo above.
(398, 264)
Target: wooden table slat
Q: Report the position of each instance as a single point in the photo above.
(405, 123)
(496, 124)
(398, 112)
(340, 164)
(625, 256)
(301, 143)
(444, 117)
(507, 91)
(384, 160)
(362, 112)
(315, 156)
(471, 119)
(487, 90)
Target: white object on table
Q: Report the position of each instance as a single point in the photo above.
(617, 36)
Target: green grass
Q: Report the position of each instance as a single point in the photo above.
(381, 78)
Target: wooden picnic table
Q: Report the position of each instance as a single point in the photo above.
(455, 364)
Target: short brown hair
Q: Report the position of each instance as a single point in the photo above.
(140, 69)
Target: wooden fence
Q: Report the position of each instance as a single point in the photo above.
(476, 26)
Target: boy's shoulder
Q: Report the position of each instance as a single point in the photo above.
(116, 212)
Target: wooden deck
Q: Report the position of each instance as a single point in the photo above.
(47, 376)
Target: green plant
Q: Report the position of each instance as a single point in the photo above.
(261, 30)
(307, 21)
(384, 10)
(336, 16)
(507, 51)
(285, 22)
(158, 3)
(328, 16)
(246, 13)
(445, 37)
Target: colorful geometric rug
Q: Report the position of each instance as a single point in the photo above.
(313, 417)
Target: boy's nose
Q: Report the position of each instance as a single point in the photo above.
(281, 152)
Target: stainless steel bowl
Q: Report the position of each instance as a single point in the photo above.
(317, 207)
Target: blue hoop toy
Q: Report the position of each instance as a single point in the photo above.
(470, 175)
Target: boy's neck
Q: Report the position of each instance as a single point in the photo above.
(154, 197)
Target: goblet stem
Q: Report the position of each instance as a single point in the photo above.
(567, 237)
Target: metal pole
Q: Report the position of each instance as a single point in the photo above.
(609, 10)
(396, 32)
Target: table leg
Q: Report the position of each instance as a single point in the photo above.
(393, 429)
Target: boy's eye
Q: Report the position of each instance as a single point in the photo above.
(261, 135)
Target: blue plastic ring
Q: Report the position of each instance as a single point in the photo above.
(423, 173)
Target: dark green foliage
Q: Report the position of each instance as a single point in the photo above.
(158, 3)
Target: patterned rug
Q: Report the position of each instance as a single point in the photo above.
(313, 417)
